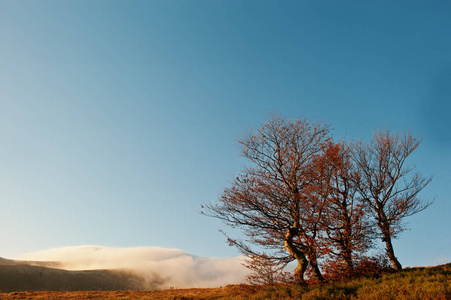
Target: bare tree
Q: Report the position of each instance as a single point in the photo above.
(271, 201)
(387, 184)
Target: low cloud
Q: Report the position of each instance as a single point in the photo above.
(159, 267)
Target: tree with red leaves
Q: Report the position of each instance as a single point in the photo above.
(349, 230)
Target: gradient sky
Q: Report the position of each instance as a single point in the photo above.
(118, 119)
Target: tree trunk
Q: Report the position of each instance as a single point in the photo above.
(298, 255)
(386, 238)
(347, 256)
(300, 270)
(347, 250)
(314, 264)
(391, 253)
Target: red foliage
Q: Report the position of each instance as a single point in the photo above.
(334, 270)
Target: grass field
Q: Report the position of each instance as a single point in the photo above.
(414, 283)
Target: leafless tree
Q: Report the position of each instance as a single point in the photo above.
(271, 201)
(387, 184)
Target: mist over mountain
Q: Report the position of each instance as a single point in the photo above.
(107, 268)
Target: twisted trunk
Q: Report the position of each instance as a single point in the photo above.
(298, 255)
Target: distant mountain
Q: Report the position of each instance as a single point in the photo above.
(4, 261)
(43, 276)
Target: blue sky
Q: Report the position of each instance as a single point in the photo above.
(118, 119)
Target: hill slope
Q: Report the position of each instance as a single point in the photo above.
(24, 276)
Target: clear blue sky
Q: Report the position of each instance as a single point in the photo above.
(118, 119)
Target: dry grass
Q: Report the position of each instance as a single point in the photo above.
(213, 293)
(414, 283)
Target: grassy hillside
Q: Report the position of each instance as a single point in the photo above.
(415, 283)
